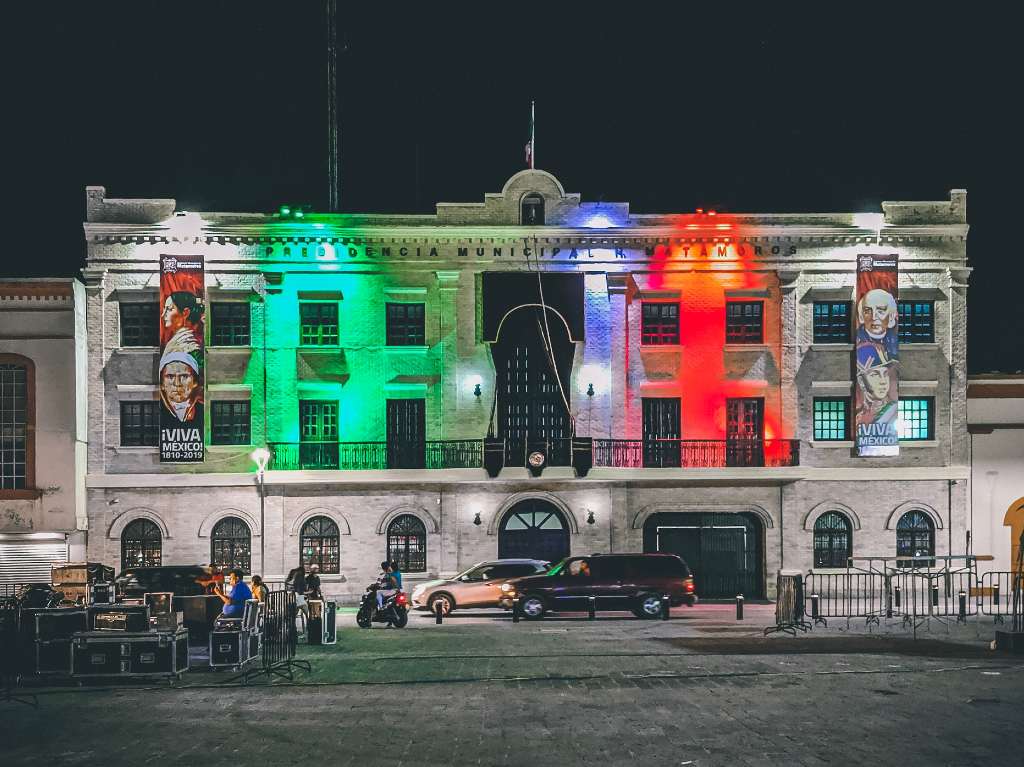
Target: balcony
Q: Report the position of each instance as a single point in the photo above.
(695, 453)
(365, 456)
(535, 455)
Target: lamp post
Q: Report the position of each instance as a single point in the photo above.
(261, 456)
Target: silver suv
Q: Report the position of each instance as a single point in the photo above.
(479, 586)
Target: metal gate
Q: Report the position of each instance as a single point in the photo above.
(724, 551)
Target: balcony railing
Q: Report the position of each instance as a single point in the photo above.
(695, 453)
(446, 454)
(469, 454)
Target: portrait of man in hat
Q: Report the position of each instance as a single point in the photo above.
(179, 387)
(876, 394)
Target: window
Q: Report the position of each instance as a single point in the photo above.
(407, 544)
(833, 540)
(231, 545)
(230, 423)
(15, 446)
(917, 418)
(831, 322)
(319, 324)
(660, 324)
(831, 418)
(140, 545)
(405, 325)
(915, 537)
(917, 322)
(140, 424)
(140, 323)
(231, 323)
(743, 322)
(320, 545)
(531, 211)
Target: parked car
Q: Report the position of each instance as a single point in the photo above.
(479, 586)
(633, 582)
(180, 580)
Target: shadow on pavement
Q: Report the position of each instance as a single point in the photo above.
(853, 645)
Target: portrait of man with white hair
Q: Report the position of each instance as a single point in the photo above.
(878, 318)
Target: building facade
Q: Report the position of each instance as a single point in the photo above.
(528, 375)
(995, 416)
(43, 427)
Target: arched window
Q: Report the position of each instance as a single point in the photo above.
(320, 544)
(141, 545)
(833, 540)
(231, 545)
(17, 426)
(915, 537)
(407, 544)
(531, 210)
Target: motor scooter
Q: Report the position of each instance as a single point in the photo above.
(395, 611)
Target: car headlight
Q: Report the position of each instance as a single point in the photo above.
(508, 588)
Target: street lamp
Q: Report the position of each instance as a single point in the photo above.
(261, 456)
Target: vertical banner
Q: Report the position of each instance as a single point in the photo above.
(877, 356)
(182, 362)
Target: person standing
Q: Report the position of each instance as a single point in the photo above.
(259, 591)
(313, 583)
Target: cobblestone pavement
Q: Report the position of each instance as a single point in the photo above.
(697, 690)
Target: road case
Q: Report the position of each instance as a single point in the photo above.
(122, 617)
(232, 649)
(321, 628)
(144, 653)
(53, 657)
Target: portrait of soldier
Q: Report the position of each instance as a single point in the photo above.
(179, 387)
(878, 315)
(876, 401)
(182, 319)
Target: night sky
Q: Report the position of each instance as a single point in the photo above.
(221, 106)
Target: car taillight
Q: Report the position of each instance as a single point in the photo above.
(688, 585)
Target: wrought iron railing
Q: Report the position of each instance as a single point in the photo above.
(469, 453)
(695, 453)
(445, 454)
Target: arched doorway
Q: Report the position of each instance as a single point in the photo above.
(532, 385)
(724, 551)
(533, 529)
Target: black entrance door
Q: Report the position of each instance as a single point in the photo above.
(724, 551)
(532, 413)
(406, 434)
(533, 529)
(661, 432)
(744, 431)
(318, 424)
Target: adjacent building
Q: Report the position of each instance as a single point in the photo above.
(43, 427)
(526, 375)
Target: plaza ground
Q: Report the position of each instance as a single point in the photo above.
(700, 689)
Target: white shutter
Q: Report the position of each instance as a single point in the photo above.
(29, 561)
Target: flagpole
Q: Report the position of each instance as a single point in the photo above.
(533, 142)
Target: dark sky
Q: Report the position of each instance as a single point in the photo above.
(221, 105)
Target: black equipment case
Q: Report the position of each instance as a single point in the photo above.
(236, 642)
(128, 618)
(147, 653)
(45, 638)
(322, 627)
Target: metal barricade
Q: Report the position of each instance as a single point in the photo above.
(280, 638)
(996, 594)
(853, 594)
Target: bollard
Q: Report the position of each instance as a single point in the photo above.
(591, 607)
(935, 595)
(995, 595)
(516, 610)
(438, 612)
(962, 616)
(664, 607)
(896, 593)
(739, 607)
(815, 607)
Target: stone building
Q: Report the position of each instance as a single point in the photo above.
(42, 426)
(527, 375)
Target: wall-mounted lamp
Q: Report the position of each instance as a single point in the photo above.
(476, 520)
(476, 390)
(590, 517)
(590, 390)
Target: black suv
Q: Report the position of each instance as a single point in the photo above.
(181, 580)
(633, 582)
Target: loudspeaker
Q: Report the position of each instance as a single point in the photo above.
(330, 622)
(494, 456)
(582, 455)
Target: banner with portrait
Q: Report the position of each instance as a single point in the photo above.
(877, 357)
(182, 359)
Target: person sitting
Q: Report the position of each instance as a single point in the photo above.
(259, 591)
(234, 601)
(396, 574)
(386, 584)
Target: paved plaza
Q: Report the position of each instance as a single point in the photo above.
(700, 689)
